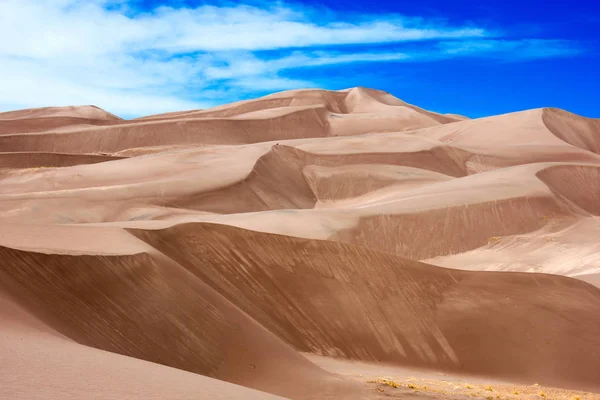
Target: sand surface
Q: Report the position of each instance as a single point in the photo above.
(308, 244)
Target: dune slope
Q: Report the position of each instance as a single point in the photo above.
(48, 365)
(146, 306)
(217, 252)
(346, 301)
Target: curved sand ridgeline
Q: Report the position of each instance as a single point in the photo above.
(86, 112)
(148, 307)
(52, 160)
(151, 275)
(347, 301)
(576, 130)
(577, 184)
(55, 367)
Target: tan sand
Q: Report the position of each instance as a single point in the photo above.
(39, 363)
(207, 252)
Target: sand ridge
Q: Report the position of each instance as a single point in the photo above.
(217, 248)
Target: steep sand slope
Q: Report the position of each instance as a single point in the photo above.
(339, 300)
(567, 246)
(141, 304)
(573, 129)
(44, 364)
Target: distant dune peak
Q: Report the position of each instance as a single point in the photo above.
(85, 111)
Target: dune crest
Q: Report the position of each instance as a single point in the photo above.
(234, 252)
(88, 112)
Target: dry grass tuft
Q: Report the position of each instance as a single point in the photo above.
(385, 381)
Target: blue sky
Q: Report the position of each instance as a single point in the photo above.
(135, 57)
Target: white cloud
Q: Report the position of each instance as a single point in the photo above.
(132, 62)
(512, 49)
(45, 28)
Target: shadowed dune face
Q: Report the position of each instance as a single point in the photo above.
(577, 131)
(148, 307)
(216, 245)
(451, 230)
(346, 301)
(578, 185)
(53, 366)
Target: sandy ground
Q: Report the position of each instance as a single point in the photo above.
(410, 254)
(398, 382)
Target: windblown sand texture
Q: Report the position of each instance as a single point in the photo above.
(229, 253)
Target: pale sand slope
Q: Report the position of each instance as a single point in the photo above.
(514, 192)
(289, 115)
(88, 112)
(54, 119)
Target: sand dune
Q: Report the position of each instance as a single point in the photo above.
(566, 246)
(206, 252)
(87, 112)
(47, 365)
(46, 160)
(278, 118)
(143, 305)
(573, 129)
(319, 297)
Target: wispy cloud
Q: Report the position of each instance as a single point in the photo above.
(512, 50)
(83, 28)
(134, 62)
